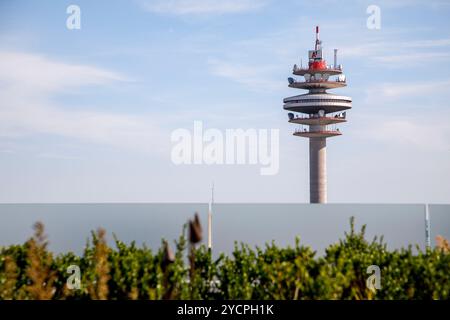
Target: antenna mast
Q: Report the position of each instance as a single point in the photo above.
(318, 42)
(210, 218)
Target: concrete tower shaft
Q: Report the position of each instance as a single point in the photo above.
(318, 170)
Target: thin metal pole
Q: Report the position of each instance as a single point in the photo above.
(210, 218)
(427, 227)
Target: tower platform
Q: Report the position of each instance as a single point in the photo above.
(319, 121)
(307, 85)
(317, 134)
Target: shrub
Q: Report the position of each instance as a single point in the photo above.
(30, 271)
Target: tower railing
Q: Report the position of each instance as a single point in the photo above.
(328, 67)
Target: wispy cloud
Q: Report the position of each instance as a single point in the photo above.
(256, 77)
(7, 151)
(425, 134)
(42, 75)
(28, 106)
(202, 7)
(435, 4)
(56, 156)
(401, 90)
(431, 43)
(393, 53)
(411, 59)
(388, 117)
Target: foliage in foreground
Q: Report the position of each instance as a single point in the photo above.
(30, 271)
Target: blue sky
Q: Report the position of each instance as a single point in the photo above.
(86, 115)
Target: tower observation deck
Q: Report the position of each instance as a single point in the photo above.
(317, 113)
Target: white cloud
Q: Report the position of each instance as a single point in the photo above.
(42, 75)
(426, 43)
(397, 4)
(201, 7)
(28, 84)
(56, 156)
(412, 59)
(394, 124)
(396, 54)
(256, 77)
(430, 134)
(395, 91)
(7, 151)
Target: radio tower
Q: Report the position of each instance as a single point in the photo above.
(320, 112)
(210, 208)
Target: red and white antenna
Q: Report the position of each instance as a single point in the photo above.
(317, 39)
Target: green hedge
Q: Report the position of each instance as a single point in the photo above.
(30, 271)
